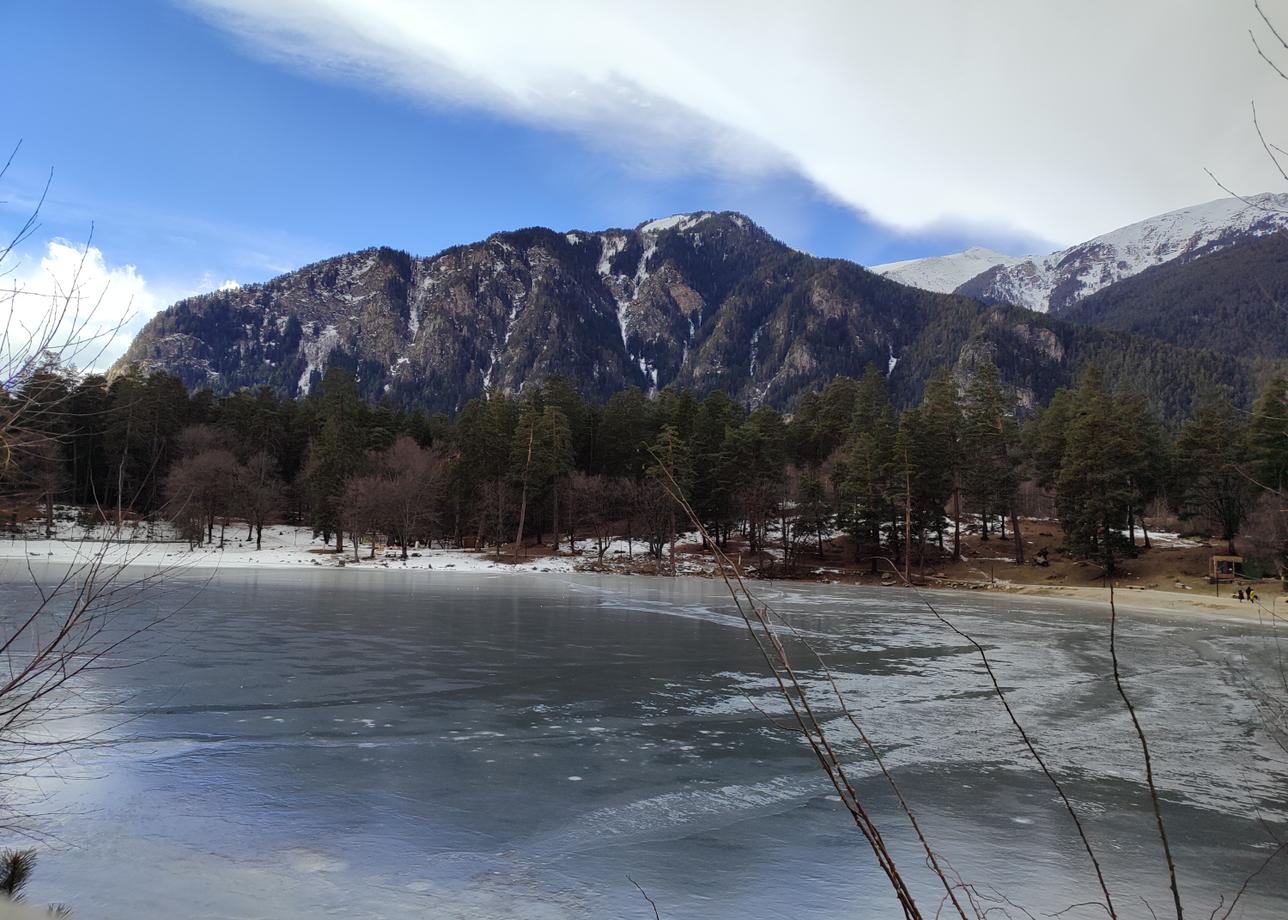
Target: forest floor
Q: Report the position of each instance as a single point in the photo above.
(1171, 576)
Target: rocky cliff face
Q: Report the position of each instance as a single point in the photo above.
(703, 300)
(708, 301)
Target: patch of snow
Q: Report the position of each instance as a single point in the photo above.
(315, 354)
(610, 247)
(641, 273)
(675, 221)
(944, 273)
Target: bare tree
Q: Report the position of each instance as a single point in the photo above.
(413, 481)
(202, 489)
(260, 493)
(80, 613)
(364, 507)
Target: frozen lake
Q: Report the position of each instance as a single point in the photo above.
(373, 744)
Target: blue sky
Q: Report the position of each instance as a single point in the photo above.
(215, 140)
(196, 159)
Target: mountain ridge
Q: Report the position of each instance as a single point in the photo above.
(707, 300)
(1054, 282)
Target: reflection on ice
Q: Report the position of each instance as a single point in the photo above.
(384, 745)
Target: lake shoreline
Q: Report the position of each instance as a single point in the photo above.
(293, 549)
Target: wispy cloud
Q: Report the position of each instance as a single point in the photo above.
(1047, 120)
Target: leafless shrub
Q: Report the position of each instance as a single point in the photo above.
(77, 621)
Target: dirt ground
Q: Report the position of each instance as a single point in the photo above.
(1169, 575)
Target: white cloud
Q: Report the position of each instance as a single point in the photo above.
(1054, 120)
(73, 300)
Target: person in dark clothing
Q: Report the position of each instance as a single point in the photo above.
(1240, 595)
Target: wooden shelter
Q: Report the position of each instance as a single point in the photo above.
(1223, 568)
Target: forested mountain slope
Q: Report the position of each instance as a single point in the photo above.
(1233, 301)
(707, 301)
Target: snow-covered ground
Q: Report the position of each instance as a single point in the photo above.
(287, 547)
(283, 547)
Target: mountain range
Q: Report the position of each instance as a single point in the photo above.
(705, 300)
(1054, 282)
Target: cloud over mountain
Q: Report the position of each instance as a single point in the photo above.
(918, 121)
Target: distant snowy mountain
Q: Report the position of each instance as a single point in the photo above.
(944, 273)
(1054, 282)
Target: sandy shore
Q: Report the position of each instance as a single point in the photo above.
(1152, 600)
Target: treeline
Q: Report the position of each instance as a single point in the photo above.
(548, 466)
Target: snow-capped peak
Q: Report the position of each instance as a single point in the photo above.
(944, 273)
(1053, 282)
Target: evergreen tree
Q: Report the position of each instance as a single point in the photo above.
(944, 423)
(922, 483)
(990, 475)
(1094, 491)
(1268, 436)
(1210, 482)
(553, 460)
(334, 454)
(672, 470)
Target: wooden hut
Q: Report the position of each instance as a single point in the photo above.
(1223, 568)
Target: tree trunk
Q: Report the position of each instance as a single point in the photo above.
(523, 498)
(957, 520)
(49, 515)
(907, 523)
(259, 535)
(500, 515)
(554, 491)
(673, 540)
(1144, 530)
(1019, 539)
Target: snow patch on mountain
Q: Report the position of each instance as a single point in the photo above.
(944, 273)
(674, 222)
(315, 354)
